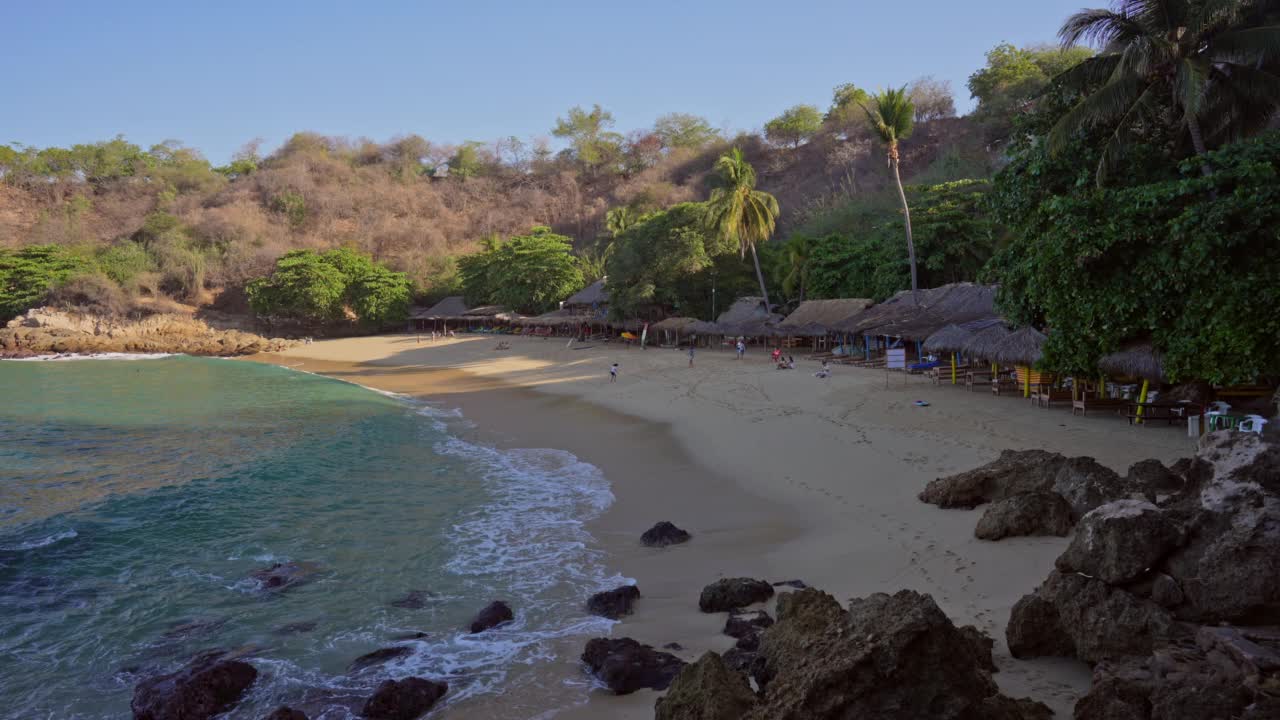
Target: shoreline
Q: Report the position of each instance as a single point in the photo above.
(782, 476)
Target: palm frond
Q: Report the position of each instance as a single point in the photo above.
(1098, 27)
(1110, 101)
(1190, 83)
(1114, 150)
(1088, 73)
(1241, 100)
(1254, 45)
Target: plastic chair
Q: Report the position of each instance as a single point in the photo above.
(1252, 423)
(1218, 407)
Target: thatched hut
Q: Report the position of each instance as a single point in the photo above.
(593, 298)
(438, 316)
(824, 313)
(949, 339)
(1139, 359)
(983, 343)
(1021, 347)
(901, 319)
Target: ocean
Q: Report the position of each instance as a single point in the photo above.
(138, 497)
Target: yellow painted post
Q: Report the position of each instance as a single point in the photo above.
(1102, 386)
(953, 368)
(1142, 397)
(1026, 385)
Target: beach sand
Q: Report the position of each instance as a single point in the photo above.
(778, 474)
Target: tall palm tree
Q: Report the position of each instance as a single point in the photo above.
(799, 251)
(1215, 61)
(892, 116)
(617, 220)
(738, 212)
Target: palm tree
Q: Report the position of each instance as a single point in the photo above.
(617, 220)
(738, 212)
(799, 251)
(1216, 61)
(892, 116)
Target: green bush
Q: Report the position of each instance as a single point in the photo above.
(27, 275)
(124, 262)
(320, 287)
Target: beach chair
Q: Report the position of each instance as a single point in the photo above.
(1003, 384)
(1046, 395)
(1085, 404)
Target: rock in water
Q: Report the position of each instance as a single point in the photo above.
(1013, 473)
(1119, 541)
(283, 576)
(1033, 513)
(208, 685)
(625, 665)
(732, 593)
(377, 657)
(493, 615)
(286, 713)
(663, 534)
(706, 690)
(615, 603)
(414, 600)
(406, 699)
(888, 656)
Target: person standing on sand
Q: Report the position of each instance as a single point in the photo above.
(613, 373)
(690, 356)
(742, 348)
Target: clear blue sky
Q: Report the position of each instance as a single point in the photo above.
(215, 75)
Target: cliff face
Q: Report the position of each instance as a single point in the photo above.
(43, 331)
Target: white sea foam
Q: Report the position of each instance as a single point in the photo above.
(42, 542)
(62, 357)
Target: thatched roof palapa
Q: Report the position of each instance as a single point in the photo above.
(447, 309)
(949, 339)
(825, 313)
(747, 310)
(983, 343)
(593, 294)
(1139, 359)
(900, 316)
(1021, 347)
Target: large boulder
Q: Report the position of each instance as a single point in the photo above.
(406, 699)
(210, 684)
(1152, 479)
(887, 656)
(1074, 615)
(379, 656)
(625, 666)
(706, 690)
(615, 603)
(285, 712)
(663, 534)
(1085, 484)
(492, 615)
(1118, 542)
(1013, 473)
(1033, 513)
(746, 628)
(728, 594)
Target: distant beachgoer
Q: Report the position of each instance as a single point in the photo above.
(613, 373)
(690, 356)
(824, 372)
(742, 348)
(791, 363)
(776, 354)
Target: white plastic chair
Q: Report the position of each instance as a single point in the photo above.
(1218, 407)
(1252, 423)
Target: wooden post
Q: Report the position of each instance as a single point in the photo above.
(1026, 384)
(953, 368)
(1142, 397)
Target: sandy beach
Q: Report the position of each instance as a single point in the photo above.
(778, 474)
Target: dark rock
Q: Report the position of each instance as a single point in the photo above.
(626, 666)
(295, 628)
(283, 576)
(1013, 473)
(615, 603)
(663, 534)
(1001, 707)
(1165, 591)
(379, 656)
(673, 646)
(1085, 485)
(414, 600)
(405, 699)
(748, 662)
(210, 684)
(1120, 541)
(746, 628)
(1033, 513)
(982, 644)
(493, 615)
(732, 593)
(886, 657)
(286, 713)
(1153, 479)
(706, 690)
(409, 636)
(797, 584)
(1072, 615)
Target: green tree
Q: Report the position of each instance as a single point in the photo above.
(593, 143)
(527, 273)
(27, 275)
(682, 130)
(740, 214)
(466, 161)
(656, 260)
(1012, 76)
(303, 286)
(380, 297)
(798, 261)
(794, 126)
(892, 118)
(1212, 59)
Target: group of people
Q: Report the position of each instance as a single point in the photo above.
(787, 362)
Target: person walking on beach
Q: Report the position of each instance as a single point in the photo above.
(690, 356)
(613, 373)
(742, 348)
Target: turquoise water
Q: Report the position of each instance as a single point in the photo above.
(136, 497)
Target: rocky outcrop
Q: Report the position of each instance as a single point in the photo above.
(286, 713)
(1120, 541)
(746, 628)
(663, 534)
(887, 656)
(493, 615)
(625, 666)
(1013, 473)
(706, 690)
(283, 576)
(379, 656)
(732, 593)
(210, 684)
(615, 603)
(44, 331)
(1033, 513)
(405, 699)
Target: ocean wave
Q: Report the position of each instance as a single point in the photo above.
(42, 542)
(61, 357)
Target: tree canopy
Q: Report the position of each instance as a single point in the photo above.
(1012, 76)
(527, 273)
(794, 126)
(321, 287)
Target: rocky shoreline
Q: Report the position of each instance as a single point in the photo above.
(44, 331)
